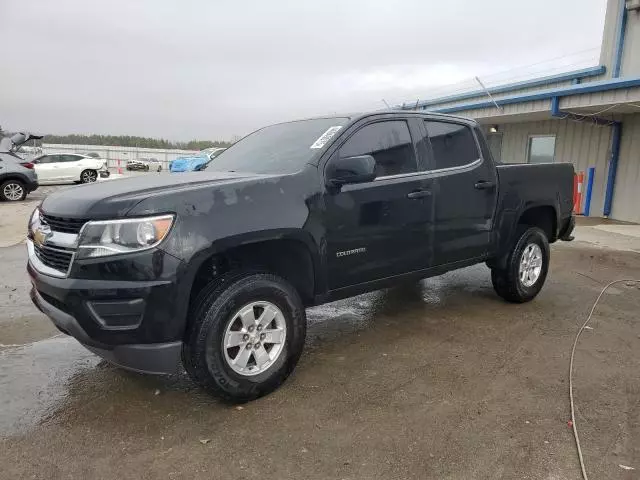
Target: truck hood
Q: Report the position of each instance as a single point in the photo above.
(115, 198)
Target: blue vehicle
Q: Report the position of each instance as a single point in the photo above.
(195, 162)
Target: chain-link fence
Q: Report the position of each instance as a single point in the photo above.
(117, 157)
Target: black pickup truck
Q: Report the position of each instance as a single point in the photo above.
(213, 270)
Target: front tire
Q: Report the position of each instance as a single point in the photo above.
(13, 191)
(526, 269)
(246, 336)
(88, 176)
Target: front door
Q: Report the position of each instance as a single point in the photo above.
(380, 228)
(465, 193)
(70, 167)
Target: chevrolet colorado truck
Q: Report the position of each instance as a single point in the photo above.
(213, 270)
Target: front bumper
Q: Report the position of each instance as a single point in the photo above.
(155, 358)
(126, 310)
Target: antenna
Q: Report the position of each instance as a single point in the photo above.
(488, 94)
(385, 102)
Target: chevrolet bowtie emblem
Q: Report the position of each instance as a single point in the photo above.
(42, 234)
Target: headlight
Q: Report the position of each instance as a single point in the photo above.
(113, 237)
(34, 222)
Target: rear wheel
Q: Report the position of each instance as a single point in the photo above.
(246, 336)
(526, 268)
(88, 176)
(13, 191)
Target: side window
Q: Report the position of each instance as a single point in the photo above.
(54, 158)
(44, 159)
(453, 144)
(388, 142)
(69, 158)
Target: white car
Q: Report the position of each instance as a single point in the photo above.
(145, 164)
(69, 167)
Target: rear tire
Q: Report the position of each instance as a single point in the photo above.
(216, 321)
(13, 191)
(526, 269)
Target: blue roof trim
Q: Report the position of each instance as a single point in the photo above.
(581, 88)
(536, 82)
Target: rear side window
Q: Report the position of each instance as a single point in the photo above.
(453, 144)
(388, 142)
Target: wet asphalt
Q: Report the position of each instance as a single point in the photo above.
(438, 379)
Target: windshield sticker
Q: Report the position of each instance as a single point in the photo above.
(325, 137)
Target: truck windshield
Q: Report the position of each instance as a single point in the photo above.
(281, 148)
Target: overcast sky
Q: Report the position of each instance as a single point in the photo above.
(210, 70)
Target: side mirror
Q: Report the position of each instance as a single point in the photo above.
(345, 170)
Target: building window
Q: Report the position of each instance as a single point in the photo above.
(542, 149)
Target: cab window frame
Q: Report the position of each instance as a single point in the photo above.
(414, 136)
(433, 160)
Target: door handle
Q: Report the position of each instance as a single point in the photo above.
(419, 194)
(482, 185)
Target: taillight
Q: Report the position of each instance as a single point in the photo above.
(27, 165)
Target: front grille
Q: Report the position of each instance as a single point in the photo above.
(62, 224)
(54, 257)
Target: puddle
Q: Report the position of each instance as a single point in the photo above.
(34, 379)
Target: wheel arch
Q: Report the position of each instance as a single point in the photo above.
(291, 254)
(14, 176)
(544, 215)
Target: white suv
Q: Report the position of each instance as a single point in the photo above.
(69, 167)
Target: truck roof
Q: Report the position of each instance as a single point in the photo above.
(353, 116)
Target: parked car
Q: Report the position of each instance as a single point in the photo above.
(16, 180)
(145, 164)
(196, 162)
(69, 167)
(214, 270)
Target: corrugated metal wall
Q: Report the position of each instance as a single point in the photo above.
(601, 99)
(581, 143)
(626, 195)
(482, 97)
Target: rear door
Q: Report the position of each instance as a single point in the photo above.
(380, 228)
(47, 168)
(465, 192)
